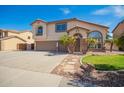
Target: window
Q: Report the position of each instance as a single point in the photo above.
(40, 31)
(29, 37)
(98, 36)
(61, 27)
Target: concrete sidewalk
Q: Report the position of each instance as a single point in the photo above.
(11, 77)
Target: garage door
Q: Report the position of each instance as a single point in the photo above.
(46, 45)
(21, 46)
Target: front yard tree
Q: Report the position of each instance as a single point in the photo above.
(120, 43)
(91, 42)
(68, 42)
(112, 42)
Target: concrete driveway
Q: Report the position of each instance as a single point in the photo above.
(29, 68)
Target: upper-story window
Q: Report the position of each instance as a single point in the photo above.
(40, 30)
(62, 27)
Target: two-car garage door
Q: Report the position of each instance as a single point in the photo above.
(46, 45)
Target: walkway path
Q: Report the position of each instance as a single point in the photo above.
(69, 66)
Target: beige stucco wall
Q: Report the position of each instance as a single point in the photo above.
(34, 30)
(10, 44)
(25, 35)
(81, 31)
(49, 33)
(91, 27)
(52, 35)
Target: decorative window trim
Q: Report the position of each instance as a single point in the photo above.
(39, 34)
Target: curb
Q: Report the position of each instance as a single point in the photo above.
(82, 58)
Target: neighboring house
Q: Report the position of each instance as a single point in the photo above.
(47, 34)
(118, 32)
(15, 40)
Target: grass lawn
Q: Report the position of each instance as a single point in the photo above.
(106, 62)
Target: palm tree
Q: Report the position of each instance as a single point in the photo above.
(91, 41)
(108, 36)
(68, 42)
(120, 43)
(111, 42)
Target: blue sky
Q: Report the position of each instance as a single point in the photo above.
(20, 17)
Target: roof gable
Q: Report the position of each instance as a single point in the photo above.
(77, 27)
(71, 19)
(9, 37)
(38, 21)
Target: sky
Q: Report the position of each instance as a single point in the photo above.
(20, 17)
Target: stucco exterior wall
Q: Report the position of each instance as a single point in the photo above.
(45, 41)
(10, 44)
(13, 34)
(81, 31)
(25, 35)
(35, 28)
(91, 27)
(49, 33)
(52, 35)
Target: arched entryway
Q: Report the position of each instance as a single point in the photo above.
(78, 37)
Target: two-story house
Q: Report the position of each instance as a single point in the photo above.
(47, 34)
(15, 40)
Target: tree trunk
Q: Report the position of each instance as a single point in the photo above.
(70, 49)
(111, 47)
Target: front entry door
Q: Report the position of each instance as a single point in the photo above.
(77, 45)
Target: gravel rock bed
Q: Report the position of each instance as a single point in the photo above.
(92, 77)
